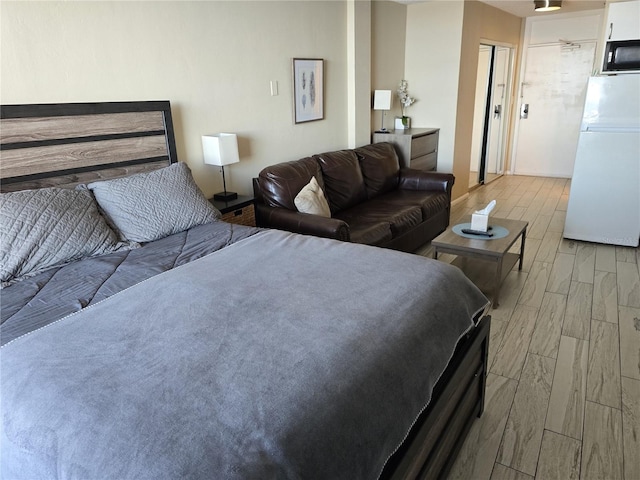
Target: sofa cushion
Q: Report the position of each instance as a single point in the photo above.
(380, 168)
(344, 184)
(430, 203)
(400, 217)
(281, 183)
(311, 200)
(370, 233)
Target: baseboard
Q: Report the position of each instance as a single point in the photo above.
(459, 199)
(541, 174)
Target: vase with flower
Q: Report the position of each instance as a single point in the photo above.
(406, 101)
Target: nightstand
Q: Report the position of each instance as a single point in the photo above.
(239, 211)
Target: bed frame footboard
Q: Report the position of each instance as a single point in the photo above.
(458, 398)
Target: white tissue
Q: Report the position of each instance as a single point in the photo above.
(480, 219)
(486, 210)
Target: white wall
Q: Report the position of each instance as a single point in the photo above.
(441, 64)
(212, 60)
(389, 26)
(432, 64)
(359, 71)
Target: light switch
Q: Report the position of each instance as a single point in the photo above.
(274, 87)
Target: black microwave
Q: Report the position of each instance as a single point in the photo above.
(622, 56)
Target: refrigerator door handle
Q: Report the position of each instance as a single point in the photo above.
(610, 129)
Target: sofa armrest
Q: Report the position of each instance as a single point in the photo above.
(412, 179)
(297, 222)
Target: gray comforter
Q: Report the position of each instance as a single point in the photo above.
(279, 356)
(37, 301)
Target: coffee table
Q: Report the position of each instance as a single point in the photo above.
(486, 250)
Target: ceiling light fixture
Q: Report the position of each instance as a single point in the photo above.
(547, 5)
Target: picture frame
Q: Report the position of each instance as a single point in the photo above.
(308, 89)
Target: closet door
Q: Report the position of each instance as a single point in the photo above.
(491, 113)
(498, 113)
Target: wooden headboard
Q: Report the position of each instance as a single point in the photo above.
(64, 144)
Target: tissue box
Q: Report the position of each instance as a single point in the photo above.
(479, 222)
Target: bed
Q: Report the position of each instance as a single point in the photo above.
(215, 350)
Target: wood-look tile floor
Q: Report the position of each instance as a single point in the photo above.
(563, 389)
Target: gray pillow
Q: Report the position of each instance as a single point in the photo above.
(45, 228)
(153, 205)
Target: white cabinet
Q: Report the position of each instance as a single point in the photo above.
(623, 21)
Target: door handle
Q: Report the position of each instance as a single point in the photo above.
(497, 110)
(524, 110)
(610, 30)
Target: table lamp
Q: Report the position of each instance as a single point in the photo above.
(221, 149)
(382, 101)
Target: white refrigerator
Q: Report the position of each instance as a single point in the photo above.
(604, 199)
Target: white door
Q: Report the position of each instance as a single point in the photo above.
(491, 113)
(551, 98)
(479, 111)
(499, 111)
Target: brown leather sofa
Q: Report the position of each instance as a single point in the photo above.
(372, 200)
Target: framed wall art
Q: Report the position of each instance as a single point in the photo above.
(308, 89)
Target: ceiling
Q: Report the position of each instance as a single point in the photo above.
(524, 8)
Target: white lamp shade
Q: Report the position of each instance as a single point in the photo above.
(220, 149)
(382, 100)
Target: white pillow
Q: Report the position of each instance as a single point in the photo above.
(311, 200)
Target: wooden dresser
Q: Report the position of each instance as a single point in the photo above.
(416, 147)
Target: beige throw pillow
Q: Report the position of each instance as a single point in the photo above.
(311, 200)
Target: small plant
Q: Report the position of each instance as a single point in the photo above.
(403, 96)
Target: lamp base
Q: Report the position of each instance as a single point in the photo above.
(225, 196)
